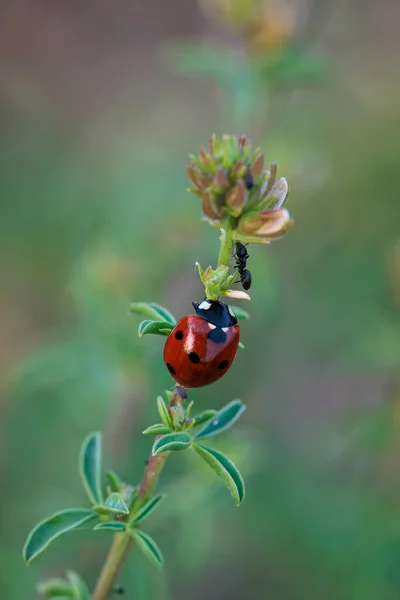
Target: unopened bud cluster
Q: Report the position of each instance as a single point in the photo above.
(237, 191)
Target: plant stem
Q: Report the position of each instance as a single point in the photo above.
(122, 541)
(114, 562)
(225, 250)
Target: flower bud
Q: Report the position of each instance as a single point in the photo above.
(265, 225)
(220, 182)
(236, 199)
(209, 206)
(276, 197)
(257, 168)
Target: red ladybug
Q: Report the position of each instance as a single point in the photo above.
(202, 347)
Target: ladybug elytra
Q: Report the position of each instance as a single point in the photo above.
(201, 347)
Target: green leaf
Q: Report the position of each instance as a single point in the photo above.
(241, 346)
(147, 509)
(164, 313)
(128, 493)
(51, 528)
(152, 311)
(113, 505)
(156, 429)
(155, 327)
(164, 412)
(224, 419)
(90, 467)
(114, 481)
(148, 546)
(204, 417)
(171, 442)
(54, 588)
(240, 313)
(110, 526)
(78, 586)
(225, 469)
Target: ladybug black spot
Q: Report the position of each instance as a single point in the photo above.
(194, 357)
(179, 335)
(223, 364)
(171, 369)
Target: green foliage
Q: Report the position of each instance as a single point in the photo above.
(203, 417)
(148, 547)
(160, 321)
(164, 412)
(240, 313)
(225, 469)
(147, 509)
(171, 442)
(114, 481)
(74, 588)
(114, 505)
(222, 420)
(78, 586)
(152, 311)
(156, 429)
(51, 528)
(110, 526)
(55, 588)
(155, 327)
(90, 467)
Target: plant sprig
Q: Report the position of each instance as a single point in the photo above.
(245, 202)
(120, 507)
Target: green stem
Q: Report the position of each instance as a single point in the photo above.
(225, 251)
(217, 281)
(122, 541)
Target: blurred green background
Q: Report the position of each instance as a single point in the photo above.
(100, 104)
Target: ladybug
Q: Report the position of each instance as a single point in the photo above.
(201, 347)
(241, 256)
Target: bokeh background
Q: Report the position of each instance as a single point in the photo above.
(100, 104)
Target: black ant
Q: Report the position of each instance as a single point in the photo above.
(241, 256)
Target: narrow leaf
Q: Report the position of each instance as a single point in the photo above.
(148, 546)
(114, 505)
(48, 530)
(128, 493)
(78, 586)
(204, 417)
(240, 313)
(164, 313)
(157, 429)
(164, 412)
(155, 327)
(114, 481)
(241, 346)
(110, 526)
(224, 419)
(90, 467)
(225, 469)
(148, 508)
(54, 588)
(152, 311)
(171, 442)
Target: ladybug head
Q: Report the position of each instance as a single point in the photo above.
(215, 312)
